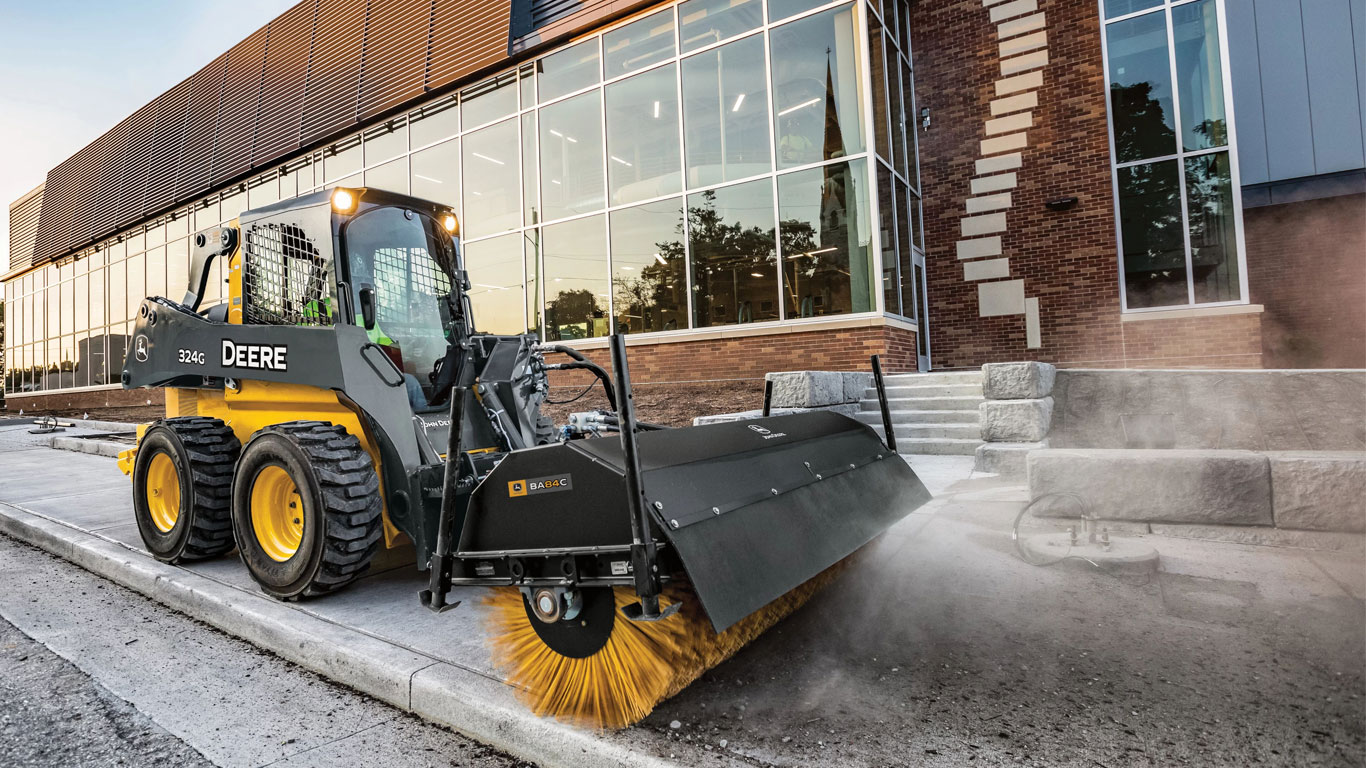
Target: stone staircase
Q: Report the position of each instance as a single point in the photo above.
(934, 413)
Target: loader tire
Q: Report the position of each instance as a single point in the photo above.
(305, 508)
(182, 479)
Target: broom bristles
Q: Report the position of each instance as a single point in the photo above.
(642, 664)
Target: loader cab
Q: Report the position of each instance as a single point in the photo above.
(399, 263)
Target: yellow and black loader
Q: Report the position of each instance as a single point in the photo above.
(341, 400)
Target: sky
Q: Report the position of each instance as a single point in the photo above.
(71, 69)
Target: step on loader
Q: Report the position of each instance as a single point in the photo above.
(340, 399)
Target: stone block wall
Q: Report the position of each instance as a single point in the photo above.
(1283, 410)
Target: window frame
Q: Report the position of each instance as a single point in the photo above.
(1180, 157)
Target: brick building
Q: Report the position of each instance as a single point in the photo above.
(754, 185)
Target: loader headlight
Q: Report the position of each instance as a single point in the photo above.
(448, 221)
(343, 200)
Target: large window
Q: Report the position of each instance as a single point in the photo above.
(1175, 168)
(713, 162)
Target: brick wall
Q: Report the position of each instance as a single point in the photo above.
(1307, 266)
(97, 398)
(750, 357)
(1068, 259)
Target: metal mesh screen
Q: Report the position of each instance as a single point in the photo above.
(284, 279)
(405, 277)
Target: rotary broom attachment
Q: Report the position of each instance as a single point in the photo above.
(641, 563)
(639, 665)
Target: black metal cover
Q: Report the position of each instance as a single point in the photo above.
(753, 509)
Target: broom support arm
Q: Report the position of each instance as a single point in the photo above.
(644, 558)
(882, 404)
(434, 597)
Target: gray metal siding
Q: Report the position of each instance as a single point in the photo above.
(1299, 89)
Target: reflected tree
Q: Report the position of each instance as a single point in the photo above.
(571, 313)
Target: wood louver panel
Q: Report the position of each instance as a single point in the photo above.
(309, 77)
(23, 226)
(280, 113)
(237, 111)
(127, 171)
(196, 145)
(394, 58)
(334, 69)
(159, 186)
(467, 36)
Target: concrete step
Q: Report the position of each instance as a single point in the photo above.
(935, 377)
(955, 431)
(939, 446)
(928, 390)
(910, 416)
(963, 403)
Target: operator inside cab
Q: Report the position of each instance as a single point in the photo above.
(401, 265)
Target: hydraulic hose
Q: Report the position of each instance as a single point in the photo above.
(582, 363)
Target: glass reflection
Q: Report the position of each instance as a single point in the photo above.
(639, 44)
(826, 253)
(1140, 88)
(532, 246)
(392, 176)
(576, 298)
(495, 269)
(880, 100)
(488, 101)
(642, 136)
(1199, 76)
(734, 266)
(571, 157)
(492, 188)
(566, 71)
(1213, 233)
(436, 173)
(887, 238)
(386, 142)
(781, 9)
(649, 275)
(725, 113)
(435, 122)
(1153, 242)
(817, 98)
(702, 22)
(1116, 8)
(339, 161)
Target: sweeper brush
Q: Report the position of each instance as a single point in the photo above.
(641, 664)
(341, 399)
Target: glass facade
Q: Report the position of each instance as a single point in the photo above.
(1174, 157)
(708, 163)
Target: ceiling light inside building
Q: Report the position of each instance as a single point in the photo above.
(802, 105)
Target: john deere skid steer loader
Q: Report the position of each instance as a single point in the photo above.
(340, 399)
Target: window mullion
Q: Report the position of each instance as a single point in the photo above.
(1180, 158)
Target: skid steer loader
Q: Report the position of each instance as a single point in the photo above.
(340, 400)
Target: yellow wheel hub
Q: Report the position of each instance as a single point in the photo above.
(163, 492)
(277, 513)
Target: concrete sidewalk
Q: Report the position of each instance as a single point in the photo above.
(940, 646)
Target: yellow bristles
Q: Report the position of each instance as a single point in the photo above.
(642, 664)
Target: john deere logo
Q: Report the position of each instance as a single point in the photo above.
(767, 434)
(140, 349)
(539, 485)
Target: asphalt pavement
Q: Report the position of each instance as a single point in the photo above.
(940, 647)
(96, 675)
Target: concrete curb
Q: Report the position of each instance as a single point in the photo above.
(474, 705)
(107, 448)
